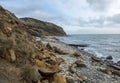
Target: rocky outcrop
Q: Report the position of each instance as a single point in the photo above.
(22, 58)
(41, 28)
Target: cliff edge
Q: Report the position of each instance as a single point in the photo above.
(41, 28)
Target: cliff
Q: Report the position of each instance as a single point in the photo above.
(22, 58)
(38, 28)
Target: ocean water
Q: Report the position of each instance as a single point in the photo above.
(100, 45)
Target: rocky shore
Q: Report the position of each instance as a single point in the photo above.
(81, 67)
(25, 59)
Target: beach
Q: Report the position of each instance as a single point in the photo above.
(95, 70)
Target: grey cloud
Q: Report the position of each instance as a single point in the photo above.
(98, 22)
(99, 5)
(110, 21)
(114, 19)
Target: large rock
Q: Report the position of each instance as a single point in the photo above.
(80, 63)
(12, 54)
(109, 57)
(30, 74)
(46, 68)
(59, 78)
(105, 70)
(72, 68)
(76, 54)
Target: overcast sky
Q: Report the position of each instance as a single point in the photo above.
(75, 16)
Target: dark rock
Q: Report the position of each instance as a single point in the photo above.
(94, 58)
(114, 66)
(109, 57)
(116, 72)
(79, 45)
(118, 63)
(76, 54)
(49, 47)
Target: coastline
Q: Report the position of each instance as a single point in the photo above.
(25, 59)
(96, 70)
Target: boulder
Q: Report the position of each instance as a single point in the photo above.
(109, 57)
(96, 59)
(45, 81)
(59, 51)
(61, 60)
(49, 47)
(76, 54)
(81, 78)
(70, 79)
(80, 63)
(46, 68)
(30, 74)
(118, 63)
(72, 68)
(12, 54)
(59, 78)
(116, 72)
(105, 70)
(38, 81)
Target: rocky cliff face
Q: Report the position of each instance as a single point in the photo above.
(33, 26)
(23, 59)
(38, 28)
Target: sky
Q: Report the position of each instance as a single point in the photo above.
(75, 16)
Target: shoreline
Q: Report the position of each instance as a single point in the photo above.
(96, 70)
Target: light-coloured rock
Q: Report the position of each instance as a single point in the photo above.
(72, 68)
(105, 70)
(61, 60)
(7, 30)
(80, 63)
(38, 81)
(81, 78)
(59, 51)
(45, 81)
(46, 68)
(59, 78)
(12, 54)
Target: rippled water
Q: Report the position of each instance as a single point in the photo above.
(101, 45)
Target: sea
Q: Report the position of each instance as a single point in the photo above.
(100, 45)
